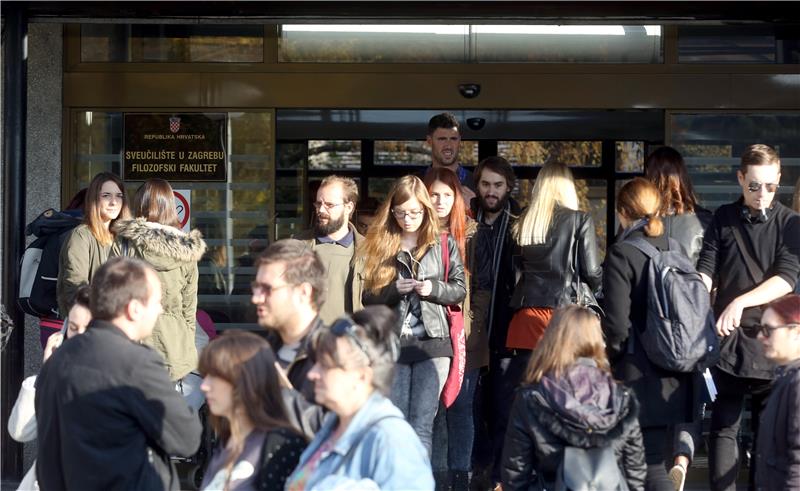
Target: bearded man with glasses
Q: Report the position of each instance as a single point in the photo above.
(335, 239)
(750, 254)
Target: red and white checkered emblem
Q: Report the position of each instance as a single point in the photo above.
(174, 124)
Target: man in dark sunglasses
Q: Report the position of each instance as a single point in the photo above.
(750, 254)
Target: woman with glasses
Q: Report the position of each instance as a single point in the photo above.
(365, 442)
(667, 398)
(155, 235)
(88, 245)
(453, 455)
(258, 448)
(777, 459)
(569, 398)
(404, 269)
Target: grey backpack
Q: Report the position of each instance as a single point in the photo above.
(589, 469)
(679, 334)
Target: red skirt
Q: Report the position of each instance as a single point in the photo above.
(527, 327)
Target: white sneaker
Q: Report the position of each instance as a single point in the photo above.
(678, 476)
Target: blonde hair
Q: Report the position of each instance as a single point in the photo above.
(382, 243)
(639, 199)
(554, 186)
(573, 332)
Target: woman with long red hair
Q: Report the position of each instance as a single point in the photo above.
(444, 189)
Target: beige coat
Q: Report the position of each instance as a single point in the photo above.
(81, 256)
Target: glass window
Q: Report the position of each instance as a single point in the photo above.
(568, 43)
(334, 154)
(629, 156)
(536, 153)
(417, 152)
(378, 43)
(176, 43)
(236, 217)
(712, 145)
(739, 44)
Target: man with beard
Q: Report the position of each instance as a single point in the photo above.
(444, 138)
(492, 283)
(335, 240)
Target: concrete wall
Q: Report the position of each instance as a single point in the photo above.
(44, 125)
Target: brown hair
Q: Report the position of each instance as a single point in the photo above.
(758, 154)
(82, 296)
(302, 266)
(374, 328)
(247, 362)
(787, 308)
(155, 201)
(118, 282)
(458, 213)
(91, 208)
(349, 187)
(497, 165)
(573, 332)
(639, 199)
(380, 247)
(443, 120)
(665, 168)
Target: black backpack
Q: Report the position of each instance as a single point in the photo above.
(679, 334)
(38, 269)
(589, 469)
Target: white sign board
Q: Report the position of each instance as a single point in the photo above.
(183, 202)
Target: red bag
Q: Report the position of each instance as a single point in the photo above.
(455, 318)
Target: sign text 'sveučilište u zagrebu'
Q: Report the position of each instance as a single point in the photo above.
(176, 147)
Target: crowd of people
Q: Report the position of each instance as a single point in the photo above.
(460, 343)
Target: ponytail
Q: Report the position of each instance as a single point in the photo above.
(654, 226)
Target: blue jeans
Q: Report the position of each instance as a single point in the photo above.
(415, 391)
(460, 425)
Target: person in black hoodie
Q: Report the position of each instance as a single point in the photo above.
(778, 447)
(569, 398)
(667, 398)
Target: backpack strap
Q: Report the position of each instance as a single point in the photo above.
(647, 248)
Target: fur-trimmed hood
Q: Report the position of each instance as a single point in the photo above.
(584, 407)
(162, 246)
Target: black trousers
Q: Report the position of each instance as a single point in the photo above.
(726, 420)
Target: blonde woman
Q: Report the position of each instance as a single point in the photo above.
(569, 398)
(404, 269)
(559, 260)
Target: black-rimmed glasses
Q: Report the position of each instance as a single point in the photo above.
(345, 327)
(766, 330)
(265, 289)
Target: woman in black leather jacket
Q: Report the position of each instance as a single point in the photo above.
(404, 269)
(558, 257)
(569, 398)
(684, 221)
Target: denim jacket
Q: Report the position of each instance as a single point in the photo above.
(389, 453)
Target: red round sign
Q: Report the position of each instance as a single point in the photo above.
(182, 208)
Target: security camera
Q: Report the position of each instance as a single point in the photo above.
(469, 91)
(476, 123)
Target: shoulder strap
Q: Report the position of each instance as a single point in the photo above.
(647, 248)
(752, 267)
(358, 439)
(445, 256)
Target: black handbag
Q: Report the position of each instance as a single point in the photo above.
(579, 292)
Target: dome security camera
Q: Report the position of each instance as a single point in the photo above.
(469, 91)
(476, 124)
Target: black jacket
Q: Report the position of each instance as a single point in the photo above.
(775, 243)
(688, 230)
(445, 291)
(584, 408)
(548, 272)
(109, 416)
(666, 397)
(500, 311)
(778, 446)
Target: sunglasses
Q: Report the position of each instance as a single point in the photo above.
(755, 186)
(345, 327)
(766, 331)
